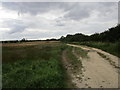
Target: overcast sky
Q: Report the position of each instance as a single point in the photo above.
(43, 20)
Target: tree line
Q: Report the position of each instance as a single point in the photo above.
(111, 35)
(25, 40)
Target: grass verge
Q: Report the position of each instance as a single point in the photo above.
(82, 53)
(73, 60)
(113, 48)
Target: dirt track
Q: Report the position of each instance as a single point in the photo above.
(98, 72)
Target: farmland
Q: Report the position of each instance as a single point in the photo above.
(53, 64)
(33, 65)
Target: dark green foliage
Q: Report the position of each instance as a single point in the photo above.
(111, 35)
(74, 38)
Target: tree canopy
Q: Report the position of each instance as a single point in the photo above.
(111, 35)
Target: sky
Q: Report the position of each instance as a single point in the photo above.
(43, 20)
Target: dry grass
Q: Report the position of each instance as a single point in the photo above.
(30, 43)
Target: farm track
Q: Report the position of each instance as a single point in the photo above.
(97, 71)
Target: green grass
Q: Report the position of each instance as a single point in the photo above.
(82, 53)
(73, 60)
(36, 66)
(113, 48)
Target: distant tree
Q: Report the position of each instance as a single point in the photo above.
(62, 38)
(23, 40)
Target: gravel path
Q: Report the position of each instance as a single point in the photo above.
(97, 71)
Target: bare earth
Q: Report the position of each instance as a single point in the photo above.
(97, 71)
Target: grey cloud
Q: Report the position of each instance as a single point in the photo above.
(59, 22)
(16, 29)
(35, 7)
(76, 11)
(15, 25)
(119, 12)
(26, 7)
(84, 10)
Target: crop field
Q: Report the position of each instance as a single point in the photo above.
(53, 64)
(33, 65)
